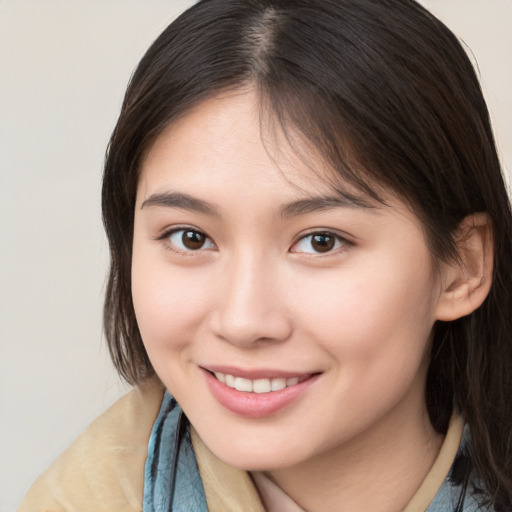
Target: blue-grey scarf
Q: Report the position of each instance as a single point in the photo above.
(172, 481)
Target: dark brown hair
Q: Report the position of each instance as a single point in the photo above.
(378, 85)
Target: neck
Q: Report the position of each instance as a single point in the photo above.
(379, 470)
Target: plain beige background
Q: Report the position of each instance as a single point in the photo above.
(63, 69)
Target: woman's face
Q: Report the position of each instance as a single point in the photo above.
(289, 322)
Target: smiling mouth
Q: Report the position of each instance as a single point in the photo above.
(258, 385)
(257, 393)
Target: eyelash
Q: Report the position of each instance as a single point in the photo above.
(165, 238)
(341, 244)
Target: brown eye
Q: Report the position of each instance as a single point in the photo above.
(323, 243)
(193, 240)
(187, 240)
(320, 243)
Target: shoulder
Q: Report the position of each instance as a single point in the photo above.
(103, 469)
(463, 490)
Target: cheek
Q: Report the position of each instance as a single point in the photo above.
(167, 303)
(373, 312)
(375, 328)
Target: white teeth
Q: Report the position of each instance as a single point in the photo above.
(257, 385)
(278, 384)
(221, 377)
(261, 386)
(243, 384)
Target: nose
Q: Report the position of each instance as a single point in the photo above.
(251, 305)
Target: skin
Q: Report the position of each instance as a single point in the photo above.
(258, 296)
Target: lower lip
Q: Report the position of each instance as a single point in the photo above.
(256, 405)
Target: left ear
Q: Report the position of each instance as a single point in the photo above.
(467, 280)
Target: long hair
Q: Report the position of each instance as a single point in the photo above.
(386, 94)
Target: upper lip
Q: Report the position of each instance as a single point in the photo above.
(255, 373)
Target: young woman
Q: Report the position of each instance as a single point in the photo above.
(310, 246)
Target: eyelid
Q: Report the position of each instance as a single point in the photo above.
(164, 237)
(345, 241)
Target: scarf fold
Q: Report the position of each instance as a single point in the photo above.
(171, 478)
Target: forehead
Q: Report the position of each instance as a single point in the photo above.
(219, 161)
(229, 136)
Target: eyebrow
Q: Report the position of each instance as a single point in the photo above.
(293, 209)
(323, 203)
(180, 200)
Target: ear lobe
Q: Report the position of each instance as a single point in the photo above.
(466, 281)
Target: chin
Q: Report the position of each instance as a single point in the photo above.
(254, 455)
(250, 461)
